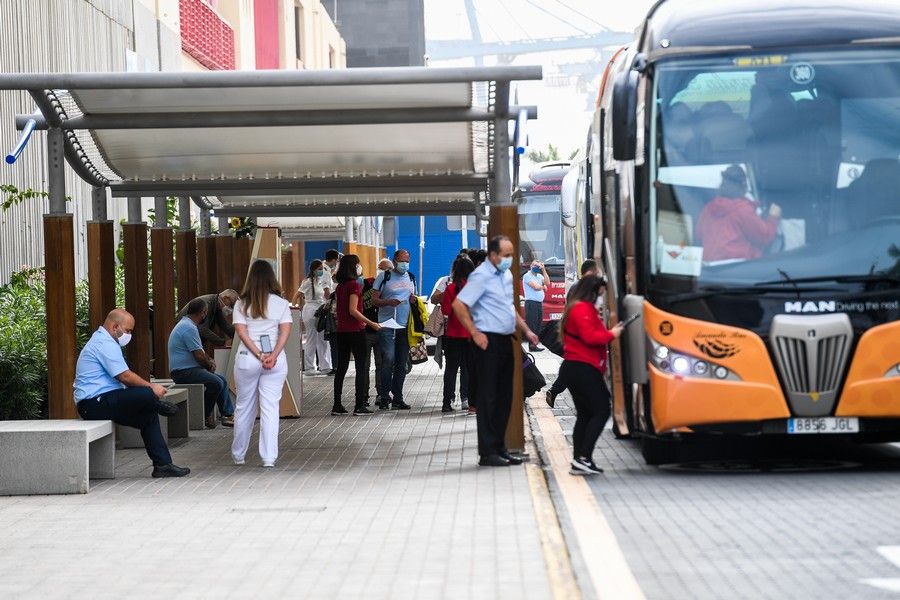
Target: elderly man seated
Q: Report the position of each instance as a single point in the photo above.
(105, 388)
(218, 306)
(188, 363)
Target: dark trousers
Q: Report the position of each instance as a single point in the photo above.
(591, 403)
(493, 374)
(215, 390)
(457, 357)
(559, 384)
(534, 315)
(373, 348)
(132, 407)
(352, 343)
(394, 355)
(333, 345)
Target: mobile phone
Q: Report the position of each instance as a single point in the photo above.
(265, 344)
(631, 319)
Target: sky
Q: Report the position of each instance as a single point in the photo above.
(564, 107)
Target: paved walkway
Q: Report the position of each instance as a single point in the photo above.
(387, 506)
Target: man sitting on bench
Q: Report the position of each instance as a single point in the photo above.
(105, 388)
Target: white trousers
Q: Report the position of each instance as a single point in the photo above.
(314, 342)
(262, 387)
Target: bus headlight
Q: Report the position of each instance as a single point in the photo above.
(685, 365)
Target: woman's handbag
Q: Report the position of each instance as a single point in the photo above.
(325, 320)
(418, 354)
(437, 323)
(532, 379)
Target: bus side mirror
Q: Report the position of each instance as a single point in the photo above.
(624, 119)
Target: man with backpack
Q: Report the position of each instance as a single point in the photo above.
(392, 293)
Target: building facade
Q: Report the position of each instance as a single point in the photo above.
(134, 35)
(381, 33)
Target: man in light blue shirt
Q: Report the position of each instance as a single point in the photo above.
(534, 284)
(392, 292)
(486, 308)
(106, 389)
(189, 363)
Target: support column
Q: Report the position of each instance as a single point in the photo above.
(224, 256)
(186, 255)
(134, 235)
(504, 220)
(206, 257)
(162, 248)
(243, 249)
(298, 260)
(101, 259)
(59, 272)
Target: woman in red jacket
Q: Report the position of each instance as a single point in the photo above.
(457, 349)
(584, 362)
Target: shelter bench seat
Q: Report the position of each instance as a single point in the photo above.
(58, 456)
(176, 426)
(196, 401)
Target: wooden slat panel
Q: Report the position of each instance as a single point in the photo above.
(224, 262)
(101, 270)
(59, 263)
(186, 267)
(163, 297)
(137, 352)
(206, 265)
(243, 248)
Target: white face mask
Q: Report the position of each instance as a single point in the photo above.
(124, 339)
(598, 303)
(359, 270)
(226, 310)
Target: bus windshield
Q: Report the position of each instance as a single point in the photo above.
(776, 166)
(540, 229)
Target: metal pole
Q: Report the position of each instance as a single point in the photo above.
(421, 252)
(464, 238)
(98, 201)
(223, 226)
(205, 225)
(56, 173)
(161, 212)
(134, 209)
(348, 229)
(501, 187)
(184, 213)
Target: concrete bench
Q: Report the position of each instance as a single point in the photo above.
(196, 401)
(56, 456)
(176, 426)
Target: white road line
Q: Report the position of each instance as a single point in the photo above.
(891, 553)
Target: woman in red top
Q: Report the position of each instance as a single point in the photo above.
(457, 350)
(351, 333)
(584, 362)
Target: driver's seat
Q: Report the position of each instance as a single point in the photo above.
(876, 193)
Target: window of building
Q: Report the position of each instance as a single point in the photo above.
(298, 31)
(331, 58)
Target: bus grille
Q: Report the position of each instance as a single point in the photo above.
(811, 354)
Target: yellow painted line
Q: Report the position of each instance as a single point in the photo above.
(606, 565)
(560, 574)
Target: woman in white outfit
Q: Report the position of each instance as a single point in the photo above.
(313, 293)
(262, 321)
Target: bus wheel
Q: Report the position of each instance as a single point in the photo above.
(660, 451)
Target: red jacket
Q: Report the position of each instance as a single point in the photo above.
(730, 228)
(455, 329)
(586, 337)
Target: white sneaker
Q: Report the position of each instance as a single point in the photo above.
(268, 465)
(237, 461)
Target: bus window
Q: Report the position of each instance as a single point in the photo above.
(540, 229)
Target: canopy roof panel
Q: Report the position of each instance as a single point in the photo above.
(319, 138)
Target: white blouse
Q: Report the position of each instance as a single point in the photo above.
(309, 286)
(278, 311)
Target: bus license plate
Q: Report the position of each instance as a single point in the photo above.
(824, 425)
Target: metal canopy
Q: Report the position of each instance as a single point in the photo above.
(338, 142)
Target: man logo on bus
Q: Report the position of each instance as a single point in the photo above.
(810, 307)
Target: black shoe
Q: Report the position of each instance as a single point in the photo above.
(446, 408)
(584, 466)
(332, 372)
(400, 405)
(384, 405)
(493, 460)
(361, 410)
(513, 460)
(338, 409)
(551, 398)
(167, 409)
(170, 471)
(535, 349)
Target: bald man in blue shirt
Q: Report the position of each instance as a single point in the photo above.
(105, 388)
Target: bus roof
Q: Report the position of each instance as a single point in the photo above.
(675, 25)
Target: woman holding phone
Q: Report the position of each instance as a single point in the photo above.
(351, 334)
(262, 321)
(584, 363)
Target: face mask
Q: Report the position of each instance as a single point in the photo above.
(226, 310)
(598, 303)
(535, 269)
(402, 267)
(320, 272)
(505, 263)
(358, 270)
(360, 281)
(124, 339)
